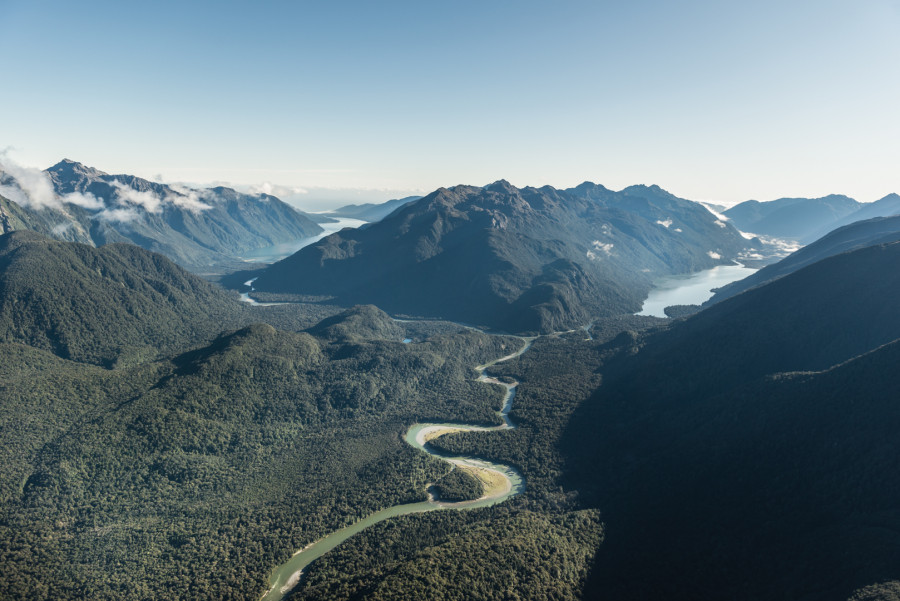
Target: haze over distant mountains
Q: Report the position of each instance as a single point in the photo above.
(860, 234)
(807, 219)
(530, 259)
(373, 212)
(199, 229)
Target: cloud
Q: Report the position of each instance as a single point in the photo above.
(713, 255)
(665, 223)
(188, 198)
(85, 201)
(62, 228)
(605, 248)
(147, 200)
(276, 190)
(120, 215)
(33, 189)
(27, 186)
(713, 210)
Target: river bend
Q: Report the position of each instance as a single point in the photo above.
(500, 483)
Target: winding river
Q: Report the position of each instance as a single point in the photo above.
(245, 296)
(500, 483)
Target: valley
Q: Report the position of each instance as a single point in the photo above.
(549, 399)
(505, 482)
(449, 301)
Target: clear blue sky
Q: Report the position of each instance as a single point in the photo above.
(711, 100)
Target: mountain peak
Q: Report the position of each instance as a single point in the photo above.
(68, 168)
(589, 185)
(639, 188)
(501, 185)
(892, 197)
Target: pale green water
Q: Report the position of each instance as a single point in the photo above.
(286, 576)
(270, 254)
(691, 289)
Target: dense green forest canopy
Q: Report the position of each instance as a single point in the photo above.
(163, 440)
(193, 477)
(118, 304)
(538, 545)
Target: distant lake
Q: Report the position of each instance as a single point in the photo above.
(270, 254)
(692, 289)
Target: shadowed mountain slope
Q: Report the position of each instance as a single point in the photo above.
(748, 452)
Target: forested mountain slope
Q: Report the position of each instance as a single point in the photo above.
(135, 483)
(101, 305)
(514, 259)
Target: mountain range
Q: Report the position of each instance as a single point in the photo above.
(807, 219)
(201, 229)
(859, 234)
(745, 452)
(530, 259)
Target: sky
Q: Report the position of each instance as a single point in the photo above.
(331, 101)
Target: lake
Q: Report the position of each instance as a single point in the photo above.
(270, 254)
(690, 289)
